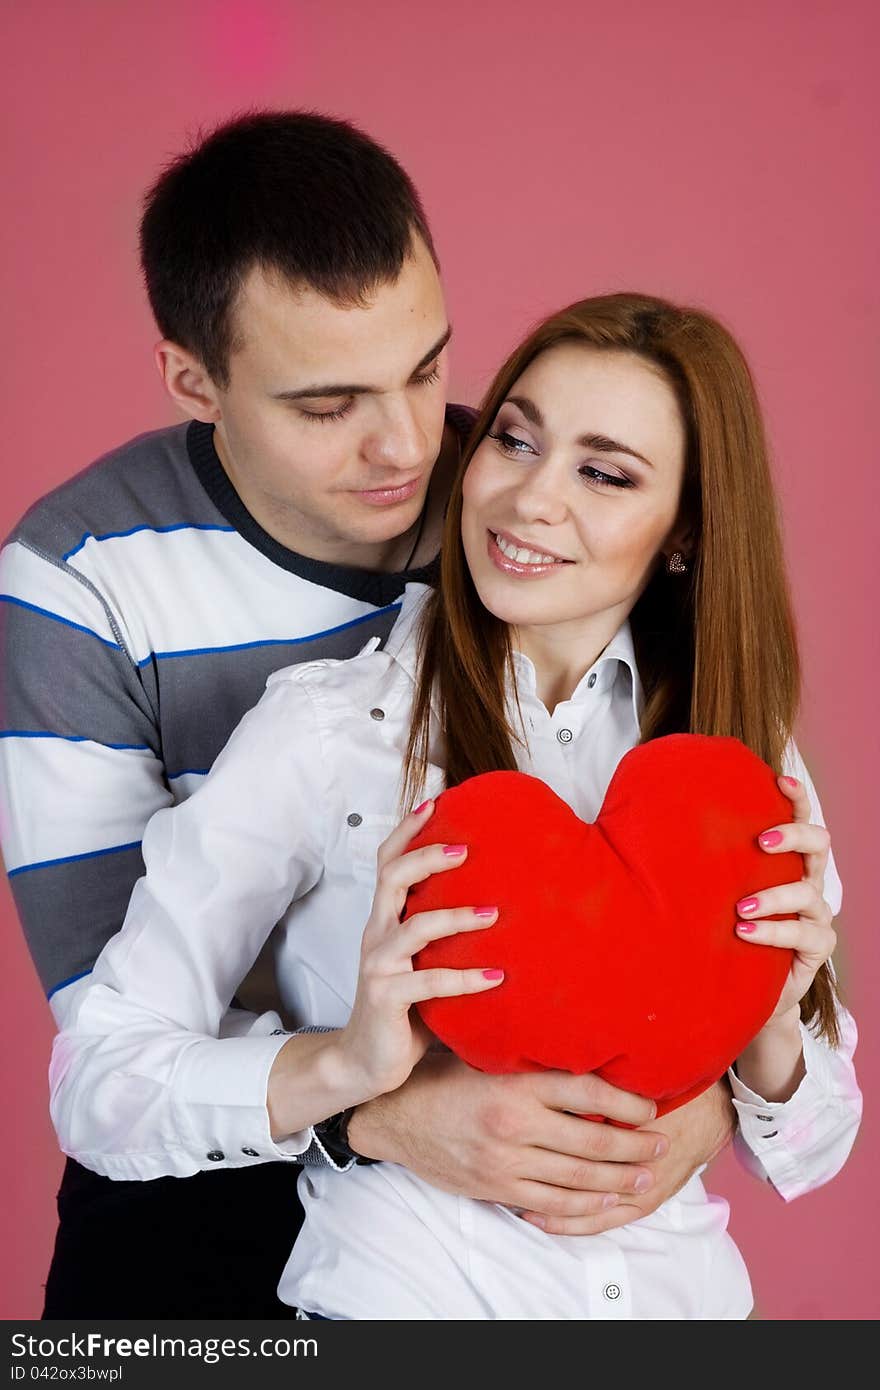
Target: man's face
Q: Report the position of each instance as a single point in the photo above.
(333, 417)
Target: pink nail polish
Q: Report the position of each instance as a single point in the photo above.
(493, 974)
(746, 927)
(792, 781)
(424, 806)
(485, 911)
(770, 838)
(453, 850)
(747, 905)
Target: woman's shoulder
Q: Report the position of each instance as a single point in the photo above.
(333, 681)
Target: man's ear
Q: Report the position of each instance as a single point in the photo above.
(187, 382)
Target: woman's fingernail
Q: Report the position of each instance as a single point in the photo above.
(610, 1200)
(770, 838)
(453, 850)
(642, 1182)
(792, 781)
(660, 1147)
(493, 974)
(539, 1221)
(424, 806)
(746, 927)
(747, 905)
(485, 911)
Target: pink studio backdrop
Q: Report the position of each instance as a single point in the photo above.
(718, 154)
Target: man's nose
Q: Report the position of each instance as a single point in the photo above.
(397, 439)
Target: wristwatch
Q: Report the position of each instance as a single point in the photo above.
(332, 1135)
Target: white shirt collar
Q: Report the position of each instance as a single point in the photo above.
(601, 676)
(401, 646)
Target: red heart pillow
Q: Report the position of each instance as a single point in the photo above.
(617, 939)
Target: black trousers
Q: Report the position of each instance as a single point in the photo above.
(209, 1246)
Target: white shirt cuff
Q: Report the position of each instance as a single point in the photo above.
(221, 1131)
(779, 1132)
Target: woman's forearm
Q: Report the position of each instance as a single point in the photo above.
(773, 1063)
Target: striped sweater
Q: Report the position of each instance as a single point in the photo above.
(143, 609)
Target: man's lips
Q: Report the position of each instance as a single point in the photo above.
(398, 492)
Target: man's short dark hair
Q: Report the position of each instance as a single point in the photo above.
(305, 196)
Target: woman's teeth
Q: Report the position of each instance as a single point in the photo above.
(522, 556)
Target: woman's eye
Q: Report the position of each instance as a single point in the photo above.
(510, 443)
(595, 475)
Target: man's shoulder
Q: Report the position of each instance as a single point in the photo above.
(147, 482)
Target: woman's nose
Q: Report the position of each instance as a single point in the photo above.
(540, 496)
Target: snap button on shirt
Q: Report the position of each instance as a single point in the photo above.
(251, 1153)
(215, 1156)
(564, 735)
(377, 714)
(354, 819)
(592, 681)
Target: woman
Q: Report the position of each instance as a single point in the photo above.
(611, 572)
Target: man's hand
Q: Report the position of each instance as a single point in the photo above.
(509, 1139)
(697, 1132)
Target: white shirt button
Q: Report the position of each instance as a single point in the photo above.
(611, 1291)
(564, 735)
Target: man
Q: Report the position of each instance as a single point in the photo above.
(292, 274)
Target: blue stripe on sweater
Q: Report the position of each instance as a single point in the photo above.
(73, 738)
(158, 530)
(72, 979)
(272, 642)
(56, 618)
(72, 858)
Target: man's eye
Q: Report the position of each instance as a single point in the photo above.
(432, 375)
(326, 415)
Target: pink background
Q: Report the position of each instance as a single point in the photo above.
(718, 154)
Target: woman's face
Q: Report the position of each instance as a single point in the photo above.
(569, 499)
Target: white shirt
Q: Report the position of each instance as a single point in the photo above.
(146, 1079)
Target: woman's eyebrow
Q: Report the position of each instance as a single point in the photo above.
(600, 442)
(329, 390)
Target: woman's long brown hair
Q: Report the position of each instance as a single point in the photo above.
(716, 649)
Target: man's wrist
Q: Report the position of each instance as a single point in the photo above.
(333, 1136)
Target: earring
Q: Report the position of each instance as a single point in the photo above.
(675, 563)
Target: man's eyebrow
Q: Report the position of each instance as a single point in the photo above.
(333, 389)
(600, 442)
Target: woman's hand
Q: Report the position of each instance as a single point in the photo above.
(384, 1038)
(809, 933)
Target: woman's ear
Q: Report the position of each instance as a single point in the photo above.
(682, 538)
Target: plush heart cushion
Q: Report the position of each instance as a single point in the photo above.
(617, 939)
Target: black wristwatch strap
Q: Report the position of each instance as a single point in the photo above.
(332, 1134)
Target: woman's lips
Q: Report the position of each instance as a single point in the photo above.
(520, 569)
(386, 496)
